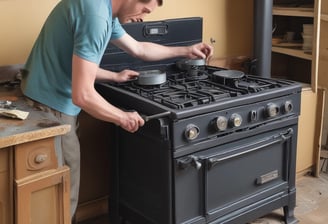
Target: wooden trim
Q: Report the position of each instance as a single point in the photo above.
(16, 139)
(293, 11)
(319, 124)
(292, 52)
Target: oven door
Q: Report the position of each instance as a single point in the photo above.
(230, 180)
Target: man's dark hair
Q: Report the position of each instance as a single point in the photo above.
(160, 2)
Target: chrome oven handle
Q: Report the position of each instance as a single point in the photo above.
(281, 137)
(189, 161)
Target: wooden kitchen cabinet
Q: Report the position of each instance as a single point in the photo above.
(290, 59)
(34, 188)
(6, 189)
(310, 66)
(43, 198)
(41, 187)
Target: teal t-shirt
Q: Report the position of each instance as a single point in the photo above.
(80, 27)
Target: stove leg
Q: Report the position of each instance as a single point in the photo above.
(289, 215)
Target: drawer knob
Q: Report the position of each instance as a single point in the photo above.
(40, 158)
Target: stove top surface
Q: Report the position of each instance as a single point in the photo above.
(184, 87)
(201, 85)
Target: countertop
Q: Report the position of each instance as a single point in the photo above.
(38, 124)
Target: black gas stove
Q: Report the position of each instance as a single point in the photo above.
(218, 145)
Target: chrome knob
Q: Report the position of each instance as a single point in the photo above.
(192, 132)
(236, 120)
(220, 123)
(288, 106)
(272, 109)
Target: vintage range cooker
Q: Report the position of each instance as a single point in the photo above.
(218, 146)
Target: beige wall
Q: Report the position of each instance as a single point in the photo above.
(228, 22)
(20, 22)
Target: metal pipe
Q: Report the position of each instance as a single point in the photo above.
(263, 37)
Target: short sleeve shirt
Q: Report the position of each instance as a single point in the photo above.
(80, 27)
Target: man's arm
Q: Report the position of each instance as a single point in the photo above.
(153, 52)
(122, 76)
(85, 96)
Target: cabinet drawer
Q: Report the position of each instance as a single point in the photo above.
(34, 157)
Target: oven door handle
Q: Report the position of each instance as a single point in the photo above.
(189, 161)
(281, 137)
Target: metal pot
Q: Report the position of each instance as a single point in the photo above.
(151, 77)
(187, 64)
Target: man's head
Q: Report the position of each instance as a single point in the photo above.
(134, 10)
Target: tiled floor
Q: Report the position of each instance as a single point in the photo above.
(311, 204)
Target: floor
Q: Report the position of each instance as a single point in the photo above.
(311, 204)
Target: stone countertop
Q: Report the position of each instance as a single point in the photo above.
(38, 124)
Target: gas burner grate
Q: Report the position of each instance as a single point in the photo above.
(184, 90)
(254, 84)
(179, 99)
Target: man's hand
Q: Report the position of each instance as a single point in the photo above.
(125, 75)
(131, 121)
(201, 50)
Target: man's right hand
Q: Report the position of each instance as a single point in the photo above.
(131, 121)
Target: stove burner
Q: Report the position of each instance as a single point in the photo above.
(227, 77)
(196, 74)
(229, 74)
(194, 68)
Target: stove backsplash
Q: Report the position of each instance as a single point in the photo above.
(172, 32)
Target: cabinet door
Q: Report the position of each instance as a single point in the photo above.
(6, 189)
(43, 198)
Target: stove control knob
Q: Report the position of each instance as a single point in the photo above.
(236, 120)
(220, 123)
(272, 109)
(192, 132)
(288, 106)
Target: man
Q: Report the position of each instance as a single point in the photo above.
(64, 64)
